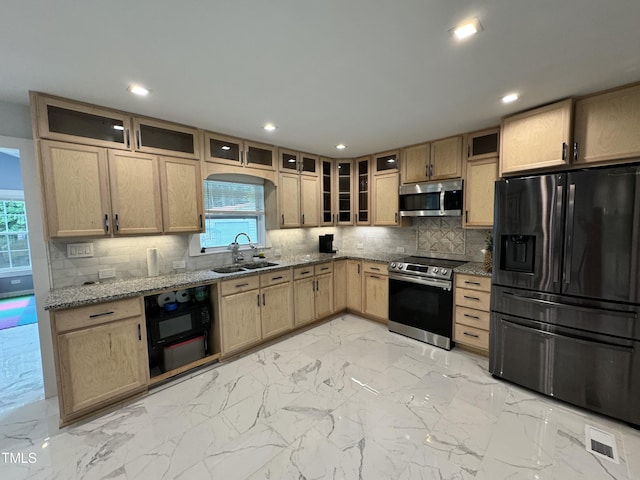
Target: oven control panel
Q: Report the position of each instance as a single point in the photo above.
(430, 271)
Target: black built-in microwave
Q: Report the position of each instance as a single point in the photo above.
(432, 199)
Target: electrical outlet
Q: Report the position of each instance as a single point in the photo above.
(360, 245)
(277, 252)
(400, 249)
(179, 264)
(106, 273)
(79, 250)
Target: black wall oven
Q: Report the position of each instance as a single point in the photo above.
(421, 300)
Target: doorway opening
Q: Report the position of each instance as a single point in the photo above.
(21, 379)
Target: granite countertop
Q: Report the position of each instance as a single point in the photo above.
(69, 297)
(473, 268)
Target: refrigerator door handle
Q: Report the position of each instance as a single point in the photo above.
(557, 220)
(608, 311)
(571, 207)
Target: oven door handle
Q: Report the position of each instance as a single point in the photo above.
(429, 282)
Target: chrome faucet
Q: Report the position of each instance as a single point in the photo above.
(235, 248)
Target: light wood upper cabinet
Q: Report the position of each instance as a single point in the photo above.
(299, 190)
(607, 126)
(68, 121)
(483, 144)
(182, 197)
(479, 186)
(76, 190)
(239, 153)
(386, 162)
(446, 158)
(160, 137)
(386, 199)
(362, 190)
(337, 198)
(538, 138)
(135, 193)
(327, 192)
(416, 163)
(99, 359)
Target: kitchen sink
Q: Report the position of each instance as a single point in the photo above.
(253, 266)
(243, 268)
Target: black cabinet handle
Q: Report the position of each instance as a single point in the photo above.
(283, 219)
(264, 301)
(104, 314)
(127, 139)
(374, 276)
(471, 283)
(471, 316)
(138, 139)
(358, 269)
(466, 216)
(106, 223)
(303, 218)
(468, 150)
(276, 278)
(305, 272)
(375, 268)
(258, 299)
(472, 298)
(575, 150)
(564, 151)
(241, 285)
(200, 221)
(241, 157)
(470, 335)
(139, 332)
(116, 221)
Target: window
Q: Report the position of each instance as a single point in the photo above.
(14, 236)
(231, 208)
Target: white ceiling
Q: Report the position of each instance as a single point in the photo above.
(372, 74)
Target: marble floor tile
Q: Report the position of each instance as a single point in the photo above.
(344, 399)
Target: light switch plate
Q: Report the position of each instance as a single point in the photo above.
(79, 250)
(400, 249)
(106, 273)
(179, 264)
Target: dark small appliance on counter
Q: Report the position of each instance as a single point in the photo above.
(326, 243)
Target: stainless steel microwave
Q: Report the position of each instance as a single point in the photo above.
(432, 199)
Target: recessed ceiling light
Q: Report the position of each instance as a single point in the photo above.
(226, 147)
(269, 127)
(512, 97)
(138, 90)
(467, 29)
(341, 146)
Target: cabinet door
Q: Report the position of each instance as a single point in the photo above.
(223, 149)
(376, 295)
(135, 193)
(277, 309)
(304, 301)
(182, 198)
(309, 194)
(327, 215)
(240, 320)
(155, 136)
(324, 295)
(446, 158)
(344, 188)
(536, 139)
(340, 285)
(289, 200)
(415, 163)
(483, 144)
(309, 165)
(607, 126)
(354, 285)
(479, 186)
(102, 364)
(386, 199)
(260, 156)
(76, 190)
(74, 122)
(386, 162)
(363, 193)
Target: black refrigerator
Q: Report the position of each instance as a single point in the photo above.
(566, 287)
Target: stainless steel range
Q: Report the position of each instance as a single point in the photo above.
(421, 299)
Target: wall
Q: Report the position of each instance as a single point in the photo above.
(427, 237)
(15, 120)
(11, 178)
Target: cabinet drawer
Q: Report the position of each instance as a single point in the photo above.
(472, 318)
(91, 315)
(473, 298)
(473, 282)
(323, 268)
(375, 267)
(274, 278)
(303, 272)
(472, 336)
(241, 284)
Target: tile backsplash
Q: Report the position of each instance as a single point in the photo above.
(436, 237)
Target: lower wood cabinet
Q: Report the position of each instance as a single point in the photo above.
(472, 303)
(313, 292)
(354, 285)
(376, 291)
(254, 308)
(101, 356)
(339, 285)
